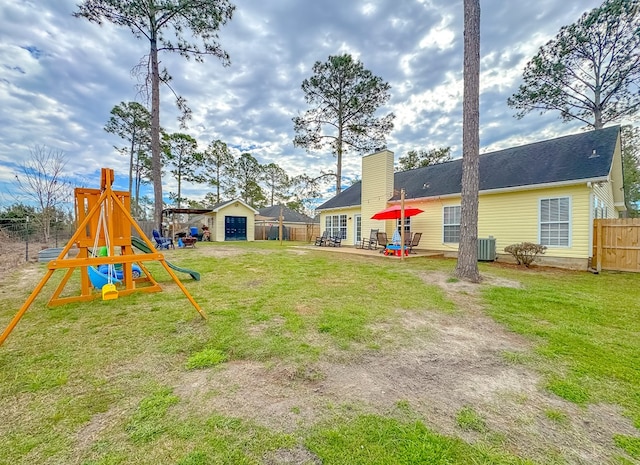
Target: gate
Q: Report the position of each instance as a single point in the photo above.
(616, 244)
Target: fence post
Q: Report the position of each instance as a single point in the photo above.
(598, 246)
(26, 239)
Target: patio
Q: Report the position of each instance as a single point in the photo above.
(351, 250)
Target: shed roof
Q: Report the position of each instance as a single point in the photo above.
(219, 206)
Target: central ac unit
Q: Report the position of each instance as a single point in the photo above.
(487, 249)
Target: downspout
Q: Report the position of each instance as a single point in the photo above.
(591, 266)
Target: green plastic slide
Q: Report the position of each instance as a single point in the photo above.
(142, 245)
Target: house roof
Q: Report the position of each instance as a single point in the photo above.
(219, 206)
(350, 197)
(288, 215)
(578, 157)
(202, 211)
(191, 211)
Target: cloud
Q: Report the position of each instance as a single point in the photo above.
(60, 77)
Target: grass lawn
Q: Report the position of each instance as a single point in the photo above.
(310, 357)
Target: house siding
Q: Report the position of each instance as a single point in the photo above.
(610, 193)
(350, 212)
(604, 193)
(616, 178)
(213, 230)
(515, 217)
(430, 223)
(510, 218)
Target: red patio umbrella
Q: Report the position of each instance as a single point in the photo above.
(394, 212)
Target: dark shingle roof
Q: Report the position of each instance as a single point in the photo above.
(568, 158)
(288, 215)
(350, 197)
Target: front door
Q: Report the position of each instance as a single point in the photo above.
(235, 228)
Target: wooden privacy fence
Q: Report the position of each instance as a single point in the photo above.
(616, 244)
(299, 232)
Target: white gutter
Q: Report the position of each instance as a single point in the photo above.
(528, 187)
(590, 251)
(338, 208)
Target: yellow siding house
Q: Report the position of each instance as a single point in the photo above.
(547, 192)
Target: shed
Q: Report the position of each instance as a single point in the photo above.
(232, 220)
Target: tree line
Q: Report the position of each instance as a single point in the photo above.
(589, 72)
(224, 175)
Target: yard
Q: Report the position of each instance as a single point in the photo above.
(317, 357)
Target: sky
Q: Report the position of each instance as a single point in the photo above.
(60, 77)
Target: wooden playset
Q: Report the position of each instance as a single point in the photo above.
(104, 221)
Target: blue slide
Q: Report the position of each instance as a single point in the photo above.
(142, 245)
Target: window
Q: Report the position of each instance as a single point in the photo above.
(336, 226)
(597, 208)
(407, 226)
(451, 224)
(554, 221)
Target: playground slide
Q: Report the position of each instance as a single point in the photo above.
(142, 245)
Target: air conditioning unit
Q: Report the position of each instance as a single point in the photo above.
(487, 249)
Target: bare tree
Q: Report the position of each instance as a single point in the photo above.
(306, 192)
(631, 169)
(40, 179)
(467, 266)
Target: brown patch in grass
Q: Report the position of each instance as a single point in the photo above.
(296, 456)
(445, 362)
(206, 251)
(304, 309)
(456, 362)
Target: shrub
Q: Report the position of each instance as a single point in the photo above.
(525, 252)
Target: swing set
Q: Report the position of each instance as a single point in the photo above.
(104, 221)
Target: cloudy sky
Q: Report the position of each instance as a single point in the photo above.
(60, 77)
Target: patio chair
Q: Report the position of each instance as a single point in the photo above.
(371, 242)
(382, 240)
(322, 240)
(415, 240)
(407, 239)
(162, 242)
(335, 241)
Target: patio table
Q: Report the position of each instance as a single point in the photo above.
(392, 249)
